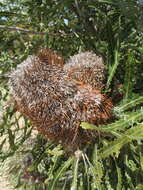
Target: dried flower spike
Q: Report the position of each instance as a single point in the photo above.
(57, 99)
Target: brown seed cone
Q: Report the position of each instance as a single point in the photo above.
(57, 103)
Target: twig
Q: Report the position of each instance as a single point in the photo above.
(21, 30)
(78, 9)
(30, 31)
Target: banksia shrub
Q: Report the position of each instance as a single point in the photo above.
(58, 98)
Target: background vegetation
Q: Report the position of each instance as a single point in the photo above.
(111, 28)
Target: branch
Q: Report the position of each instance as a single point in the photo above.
(11, 28)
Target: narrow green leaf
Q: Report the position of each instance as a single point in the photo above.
(114, 67)
(11, 139)
(60, 172)
(119, 184)
(107, 1)
(130, 104)
(98, 171)
(2, 143)
(128, 79)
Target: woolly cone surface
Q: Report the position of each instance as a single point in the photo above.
(55, 103)
(87, 67)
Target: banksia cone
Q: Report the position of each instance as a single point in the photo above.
(58, 97)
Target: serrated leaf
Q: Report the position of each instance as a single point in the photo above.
(120, 125)
(134, 133)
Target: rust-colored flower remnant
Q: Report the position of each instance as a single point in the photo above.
(57, 97)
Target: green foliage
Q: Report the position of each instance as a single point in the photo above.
(110, 28)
